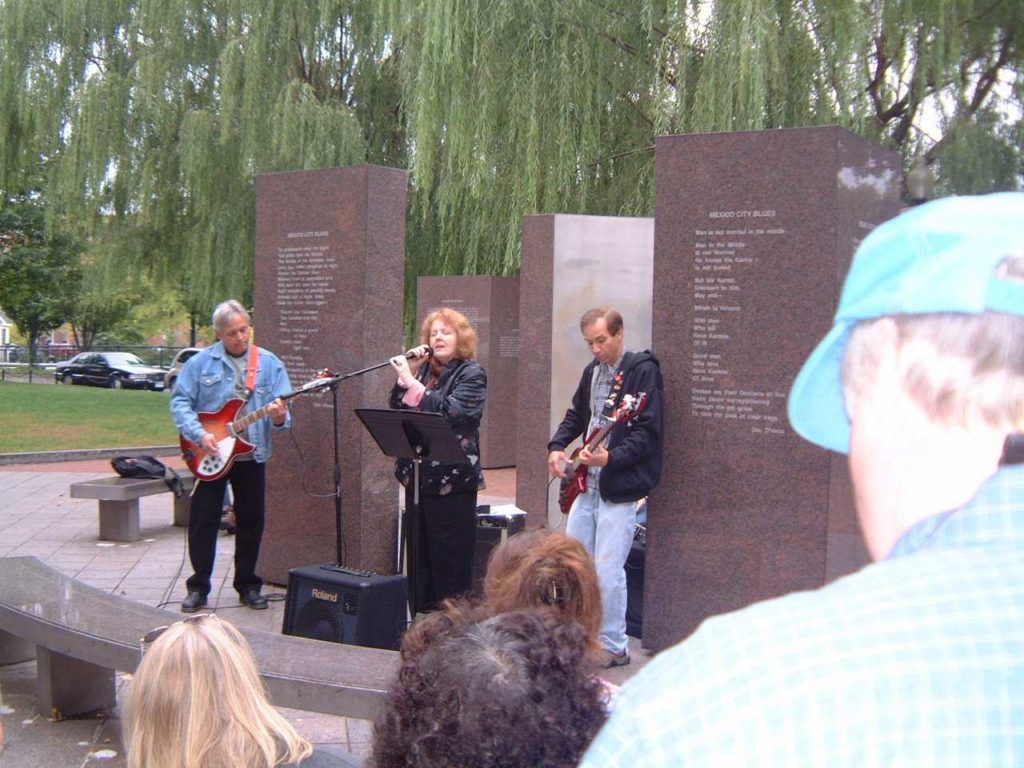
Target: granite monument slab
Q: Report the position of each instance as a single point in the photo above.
(330, 255)
(754, 234)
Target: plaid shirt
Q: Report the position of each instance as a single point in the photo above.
(600, 389)
(915, 660)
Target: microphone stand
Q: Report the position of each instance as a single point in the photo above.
(332, 381)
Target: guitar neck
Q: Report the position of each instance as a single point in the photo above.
(627, 411)
(592, 442)
(251, 418)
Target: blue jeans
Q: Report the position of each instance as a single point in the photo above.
(606, 530)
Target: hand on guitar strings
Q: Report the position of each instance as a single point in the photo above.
(595, 458)
(209, 444)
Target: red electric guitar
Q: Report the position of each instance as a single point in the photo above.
(226, 428)
(575, 481)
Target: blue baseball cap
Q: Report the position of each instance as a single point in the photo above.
(940, 257)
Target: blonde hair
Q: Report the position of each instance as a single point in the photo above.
(465, 345)
(954, 366)
(197, 700)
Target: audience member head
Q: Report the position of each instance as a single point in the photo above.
(921, 379)
(545, 569)
(486, 691)
(197, 700)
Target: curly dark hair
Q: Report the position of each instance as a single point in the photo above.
(493, 692)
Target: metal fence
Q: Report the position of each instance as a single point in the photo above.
(58, 353)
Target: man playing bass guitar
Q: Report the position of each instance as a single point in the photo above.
(621, 470)
(231, 368)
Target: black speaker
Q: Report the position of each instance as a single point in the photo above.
(341, 605)
(491, 530)
(635, 584)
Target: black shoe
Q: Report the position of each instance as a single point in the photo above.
(253, 599)
(193, 601)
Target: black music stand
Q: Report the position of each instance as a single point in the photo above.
(415, 436)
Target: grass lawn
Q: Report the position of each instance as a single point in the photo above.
(40, 417)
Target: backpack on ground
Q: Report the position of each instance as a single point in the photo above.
(148, 467)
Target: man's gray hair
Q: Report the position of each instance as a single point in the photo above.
(953, 365)
(226, 311)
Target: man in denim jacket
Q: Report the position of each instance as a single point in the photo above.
(207, 382)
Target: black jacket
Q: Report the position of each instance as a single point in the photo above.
(634, 447)
(459, 396)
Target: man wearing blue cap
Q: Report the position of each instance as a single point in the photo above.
(917, 659)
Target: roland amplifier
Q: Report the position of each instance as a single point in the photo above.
(343, 605)
(493, 527)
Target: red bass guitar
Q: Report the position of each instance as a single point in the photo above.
(227, 430)
(575, 481)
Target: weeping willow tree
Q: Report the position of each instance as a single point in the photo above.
(544, 106)
(150, 119)
(516, 108)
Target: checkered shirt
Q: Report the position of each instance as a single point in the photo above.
(917, 660)
(600, 389)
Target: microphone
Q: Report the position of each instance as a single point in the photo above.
(421, 351)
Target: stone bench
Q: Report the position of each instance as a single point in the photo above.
(80, 635)
(119, 502)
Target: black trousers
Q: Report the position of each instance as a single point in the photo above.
(440, 544)
(248, 482)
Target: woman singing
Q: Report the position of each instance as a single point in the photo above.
(443, 378)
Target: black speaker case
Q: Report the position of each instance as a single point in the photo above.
(635, 562)
(343, 607)
(492, 530)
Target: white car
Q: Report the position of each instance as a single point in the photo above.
(176, 365)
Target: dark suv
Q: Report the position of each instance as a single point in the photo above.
(109, 369)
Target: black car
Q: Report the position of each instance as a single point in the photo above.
(109, 369)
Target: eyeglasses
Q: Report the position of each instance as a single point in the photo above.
(151, 636)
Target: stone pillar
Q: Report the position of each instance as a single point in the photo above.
(492, 306)
(570, 264)
(754, 235)
(330, 256)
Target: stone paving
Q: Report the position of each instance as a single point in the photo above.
(38, 517)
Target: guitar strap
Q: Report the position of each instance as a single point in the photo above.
(615, 394)
(250, 372)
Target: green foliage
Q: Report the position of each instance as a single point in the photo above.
(544, 106)
(38, 273)
(47, 417)
(152, 119)
(148, 120)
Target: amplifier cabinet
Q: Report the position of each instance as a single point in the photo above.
(635, 588)
(491, 530)
(344, 606)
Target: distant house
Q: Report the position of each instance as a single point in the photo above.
(6, 327)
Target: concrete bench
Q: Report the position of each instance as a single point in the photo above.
(119, 502)
(81, 635)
